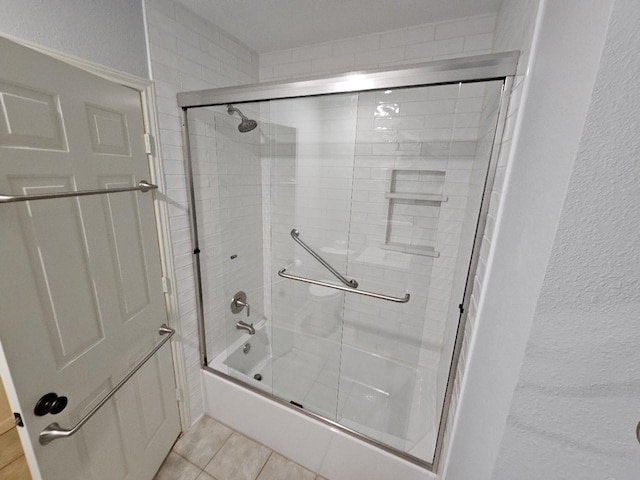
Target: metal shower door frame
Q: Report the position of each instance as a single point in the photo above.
(479, 68)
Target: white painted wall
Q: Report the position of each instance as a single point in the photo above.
(110, 33)
(575, 408)
(555, 97)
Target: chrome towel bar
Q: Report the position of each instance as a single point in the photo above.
(54, 431)
(295, 234)
(143, 186)
(404, 299)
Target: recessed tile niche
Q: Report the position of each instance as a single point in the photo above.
(414, 198)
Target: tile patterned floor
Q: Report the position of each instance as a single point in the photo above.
(211, 451)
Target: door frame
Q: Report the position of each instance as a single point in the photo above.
(146, 88)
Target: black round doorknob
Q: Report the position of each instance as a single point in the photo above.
(50, 403)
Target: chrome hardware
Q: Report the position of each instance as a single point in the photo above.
(245, 326)
(143, 186)
(477, 67)
(246, 348)
(239, 301)
(404, 299)
(295, 234)
(50, 403)
(54, 431)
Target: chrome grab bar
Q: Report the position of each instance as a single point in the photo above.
(295, 234)
(143, 186)
(54, 431)
(404, 299)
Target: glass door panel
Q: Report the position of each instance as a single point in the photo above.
(422, 156)
(311, 152)
(386, 188)
(227, 169)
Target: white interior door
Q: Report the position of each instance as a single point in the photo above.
(80, 283)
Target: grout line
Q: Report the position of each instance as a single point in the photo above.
(265, 464)
(185, 458)
(233, 430)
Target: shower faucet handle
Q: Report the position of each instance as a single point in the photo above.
(244, 304)
(239, 301)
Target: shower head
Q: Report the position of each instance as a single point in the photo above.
(246, 125)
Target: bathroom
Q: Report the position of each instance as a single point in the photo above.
(490, 211)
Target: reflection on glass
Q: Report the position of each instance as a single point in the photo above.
(385, 186)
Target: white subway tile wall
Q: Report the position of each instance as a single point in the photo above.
(189, 53)
(435, 41)
(377, 183)
(228, 178)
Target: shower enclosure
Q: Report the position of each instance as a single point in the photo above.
(336, 225)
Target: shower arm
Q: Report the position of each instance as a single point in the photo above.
(349, 283)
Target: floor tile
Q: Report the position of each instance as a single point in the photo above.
(202, 441)
(240, 458)
(280, 468)
(177, 468)
(205, 476)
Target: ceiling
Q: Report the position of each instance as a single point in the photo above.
(270, 25)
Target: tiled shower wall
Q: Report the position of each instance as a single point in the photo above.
(433, 41)
(188, 53)
(331, 182)
(310, 159)
(228, 181)
(412, 133)
(411, 45)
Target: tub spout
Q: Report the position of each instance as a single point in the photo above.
(245, 326)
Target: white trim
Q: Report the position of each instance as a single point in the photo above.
(166, 248)
(146, 87)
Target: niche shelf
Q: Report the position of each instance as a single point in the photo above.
(425, 197)
(415, 197)
(425, 251)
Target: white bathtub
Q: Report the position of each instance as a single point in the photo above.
(363, 392)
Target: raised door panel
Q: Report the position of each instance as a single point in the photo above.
(83, 298)
(101, 440)
(59, 252)
(108, 130)
(124, 228)
(30, 119)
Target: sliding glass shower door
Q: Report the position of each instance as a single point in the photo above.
(337, 233)
(310, 160)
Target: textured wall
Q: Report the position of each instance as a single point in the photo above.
(109, 33)
(576, 405)
(543, 148)
(514, 31)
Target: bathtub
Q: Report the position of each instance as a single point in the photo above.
(378, 398)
